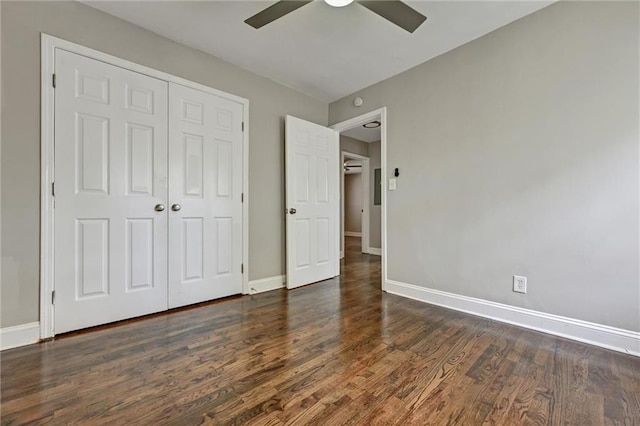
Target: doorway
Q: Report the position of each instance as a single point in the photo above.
(365, 136)
(354, 200)
(314, 172)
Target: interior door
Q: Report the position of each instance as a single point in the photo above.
(312, 198)
(110, 189)
(205, 196)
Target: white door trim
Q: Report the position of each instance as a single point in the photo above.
(381, 114)
(47, 55)
(366, 184)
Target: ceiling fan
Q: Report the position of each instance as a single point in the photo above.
(347, 167)
(394, 11)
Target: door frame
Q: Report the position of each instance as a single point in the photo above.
(378, 114)
(366, 177)
(47, 166)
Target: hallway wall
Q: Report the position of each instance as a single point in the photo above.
(353, 202)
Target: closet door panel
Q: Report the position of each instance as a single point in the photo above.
(110, 173)
(205, 189)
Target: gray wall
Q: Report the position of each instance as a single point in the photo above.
(22, 23)
(375, 212)
(353, 146)
(353, 202)
(518, 154)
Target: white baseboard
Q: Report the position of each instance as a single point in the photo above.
(19, 335)
(266, 284)
(583, 331)
(375, 251)
(352, 234)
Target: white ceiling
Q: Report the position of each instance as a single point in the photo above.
(320, 50)
(363, 134)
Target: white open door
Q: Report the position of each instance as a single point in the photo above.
(312, 198)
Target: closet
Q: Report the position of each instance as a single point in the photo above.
(148, 194)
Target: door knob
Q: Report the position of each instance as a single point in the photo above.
(292, 211)
(176, 207)
(159, 207)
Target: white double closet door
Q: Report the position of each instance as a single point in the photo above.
(148, 185)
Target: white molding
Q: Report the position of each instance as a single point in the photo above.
(245, 198)
(617, 339)
(375, 251)
(352, 234)
(267, 284)
(47, 52)
(19, 335)
(381, 114)
(0, 164)
(383, 179)
(58, 43)
(47, 175)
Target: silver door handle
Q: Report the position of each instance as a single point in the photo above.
(159, 207)
(292, 211)
(176, 207)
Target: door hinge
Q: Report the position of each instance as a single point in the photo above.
(53, 297)
(242, 197)
(53, 189)
(53, 81)
(243, 126)
(242, 268)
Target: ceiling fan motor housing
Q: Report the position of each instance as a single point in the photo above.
(393, 11)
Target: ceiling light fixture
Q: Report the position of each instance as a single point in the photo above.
(372, 124)
(338, 3)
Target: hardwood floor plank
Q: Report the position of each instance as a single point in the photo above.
(332, 353)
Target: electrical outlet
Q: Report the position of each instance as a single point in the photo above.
(519, 284)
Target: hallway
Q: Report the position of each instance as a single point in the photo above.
(366, 268)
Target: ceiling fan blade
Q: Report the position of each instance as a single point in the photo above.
(275, 11)
(397, 12)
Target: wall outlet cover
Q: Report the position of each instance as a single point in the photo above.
(519, 284)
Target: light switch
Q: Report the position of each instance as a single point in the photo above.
(392, 184)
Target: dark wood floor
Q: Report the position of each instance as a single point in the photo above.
(337, 352)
